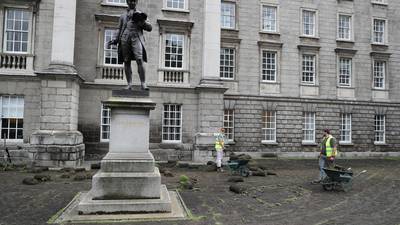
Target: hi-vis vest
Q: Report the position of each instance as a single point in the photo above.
(219, 141)
(328, 147)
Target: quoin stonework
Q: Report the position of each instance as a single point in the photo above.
(274, 73)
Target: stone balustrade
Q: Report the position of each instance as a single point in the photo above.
(11, 63)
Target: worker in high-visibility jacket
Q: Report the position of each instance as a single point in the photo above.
(219, 147)
(327, 155)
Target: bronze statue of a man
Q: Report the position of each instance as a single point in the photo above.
(131, 42)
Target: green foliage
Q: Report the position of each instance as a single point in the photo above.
(183, 179)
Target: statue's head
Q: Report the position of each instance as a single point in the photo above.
(132, 3)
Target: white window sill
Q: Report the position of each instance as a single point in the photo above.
(114, 5)
(227, 79)
(346, 143)
(345, 87)
(310, 143)
(308, 84)
(12, 141)
(229, 29)
(230, 142)
(379, 89)
(171, 142)
(16, 53)
(269, 142)
(380, 143)
(175, 10)
(380, 3)
(270, 32)
(309, 36)
(345, 40)
(380, 44)
(269, 82)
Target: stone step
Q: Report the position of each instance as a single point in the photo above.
(161, 204)
(113, 186)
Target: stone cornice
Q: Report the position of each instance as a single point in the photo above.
(176, 24)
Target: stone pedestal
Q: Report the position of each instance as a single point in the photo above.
(128, 180)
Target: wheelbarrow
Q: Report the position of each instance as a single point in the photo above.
(239, 167)
(339, 178)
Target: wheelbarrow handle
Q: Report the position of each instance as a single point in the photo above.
(362, 172)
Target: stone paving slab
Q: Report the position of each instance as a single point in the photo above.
(70, 213)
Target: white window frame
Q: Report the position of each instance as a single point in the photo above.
(308, 119)
(350, 28)
(232, 66)
(350, 69)
(113, 49)
(30, 29)
(234, 25)
(263, 19)
(17, 117)
(107, 117)
(384, 34)
(384, 72)
(184, 47)
(268, 126)
(229, 124)
(379, 2)
(264, 66)
(315, 25)
(345, 128)
(115, 2)
(163, 125)
(379, 128)
(184, 9)
(314, 69)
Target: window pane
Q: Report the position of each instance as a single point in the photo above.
(227, 63)
(17, 29)
(228, 15)
(171, 127)
(174, 50)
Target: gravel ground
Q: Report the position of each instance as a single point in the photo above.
(288, 198)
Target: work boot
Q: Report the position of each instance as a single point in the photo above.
(144, 86)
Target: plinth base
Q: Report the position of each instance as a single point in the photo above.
(109, 186)
(89, 206)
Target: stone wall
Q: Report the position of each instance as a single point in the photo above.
(250, 39)
(29, 87)
(60, 102)
(90, 120)
(289, 122)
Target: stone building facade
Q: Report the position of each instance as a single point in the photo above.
(274, 73)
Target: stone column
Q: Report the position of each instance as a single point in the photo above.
(128, 180)
(210, 90)
(63, 44)
(58, 142)
(211, 39)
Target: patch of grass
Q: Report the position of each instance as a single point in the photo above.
(392, 158)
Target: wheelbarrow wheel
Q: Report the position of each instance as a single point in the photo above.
(244, 171)
(327, 184)
(327, 187)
